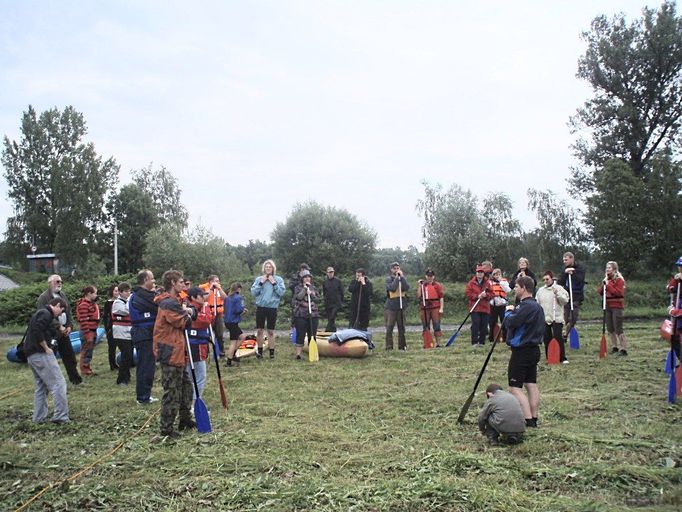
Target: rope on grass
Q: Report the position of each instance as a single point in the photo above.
(11, 393)
(89, 466)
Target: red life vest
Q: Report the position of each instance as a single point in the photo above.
(497, 290)
(122, 320)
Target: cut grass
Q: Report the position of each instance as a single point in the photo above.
(378, 433)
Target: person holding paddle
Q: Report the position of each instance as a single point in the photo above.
(306, 314)
(675, 310)
(614, 285)
(394, 308)
(479, 292)
(430, 295)
(573, 280)
(361, 292)
(199, 335)
(552, 298)
(525, 326)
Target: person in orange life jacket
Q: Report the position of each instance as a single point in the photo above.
(234, 309)
(63, 325)
(199, 335)
(552, 298)
(215, 301)
(306, 314)
(674, 288)
(170, 351)
(87, 314)
(479, 288)
(106, 321)
(522, 270)
(143, 312)
(184, 293)
(430, 296)
(615, 302)
(500, 288)
(394, 308)
(120, 319)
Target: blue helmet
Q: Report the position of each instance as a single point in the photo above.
(679, 262)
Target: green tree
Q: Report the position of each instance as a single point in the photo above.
(636, 72)
(162, 187)
(322, 236)
(411, 260)
(252, 254)
(58, 185)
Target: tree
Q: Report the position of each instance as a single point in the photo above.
(410, 259)
(252, 254)
(503, 230)
(636, 73)
(163, 189)
(58, 185)
(322, 236)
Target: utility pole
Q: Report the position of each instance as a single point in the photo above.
(115, 246)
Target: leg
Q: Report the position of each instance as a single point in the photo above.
(111, 343)
(219, 332)
(557, 329)
(185, 392)
(69, 359)
(126, 348)
(389, 322)
(171, 380)
(475, 323)
(57, 386)
(87, 349)
(435, 320)
(38, 365)
(145, 369)
(533, 398)
(200, 371)
(483, 328)
(400, 319)
(523, 401)
(301, 325)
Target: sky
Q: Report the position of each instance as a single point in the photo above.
(255, 106)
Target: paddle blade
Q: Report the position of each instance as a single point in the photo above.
(428, 339)
(223, 395)
(553, 352)
(669, 363)
(678, 378)
(465, 408)
(672, 388)
(602, 347)
(452, 339)
(496, 330)
(313, 354)
(574, 339)
(201, 416)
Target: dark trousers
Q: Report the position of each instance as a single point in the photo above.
(111, 342)
(496, 314)
(219, 332)
(479, 328)
(69, 358)
(553, 330)
(302, 326)
(126, 348)
(391, 318)
(145, 370)
(330, 313)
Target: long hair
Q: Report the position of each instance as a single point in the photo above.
(274, 267)
(234, 288)
(616, 273)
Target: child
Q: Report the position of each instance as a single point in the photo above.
(199, 335)
(87, 313)
(233, 315)
(121, 324)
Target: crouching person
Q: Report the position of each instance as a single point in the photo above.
(169, 349)
(501, 415)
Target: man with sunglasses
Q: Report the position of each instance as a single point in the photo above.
(63, 325)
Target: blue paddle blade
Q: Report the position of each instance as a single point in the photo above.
(574, 339)
(672, 388)
(452, 339)
(670, 363)
(201, 416)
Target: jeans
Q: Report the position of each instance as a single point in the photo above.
(200, 373)
(48, 378)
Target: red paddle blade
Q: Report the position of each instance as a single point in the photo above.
(428, 339)
(678, 378)
(553, 352)
(496, 331)
(223, 395)
(602, 347)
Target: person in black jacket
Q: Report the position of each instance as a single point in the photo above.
(39, 348)
(106, 320)
(332, 290)
(576, 291)
(143, 312)
(360, 301)
(523, 270)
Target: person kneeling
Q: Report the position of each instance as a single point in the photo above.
(501, 415)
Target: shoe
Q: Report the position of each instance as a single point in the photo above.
(565, 361)
(121, 383)
(623, 352)
(171, 435)
(437, 345)
(298, 358)
(259, 355)
(60, 422)
(403, 349)
(187, 425)
(531, 423)
(151, 400)
(614, 350)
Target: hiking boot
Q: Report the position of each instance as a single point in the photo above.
(614, 350)
(259, 353)
(623, 352)
(187, 425)
(272, 353)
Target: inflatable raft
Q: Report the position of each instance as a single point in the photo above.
(347, 346)
(75, 343)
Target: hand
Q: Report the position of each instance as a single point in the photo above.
(522, 274)
(48, 350)
(678, 276)
(555, 290)
(421, 282)
(481, 295)
(272, 280)
(67, 331)
(509, 308)
(569, 270)
(263, 279)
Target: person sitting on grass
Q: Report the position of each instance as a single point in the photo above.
(501, 415)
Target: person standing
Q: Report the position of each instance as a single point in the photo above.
(499, 287)
(479, 293)
(576, 292)
(674, 288)
(332, 289)
(121, 324)
(64, 324)
(360, 301)
(215, 301)
(39, 347)
(306, 315)
(525, 324)
(87, 313)
(615, 303)
(431, 298)
(394, 308)
(268, 289)
(170, 351)
(234, 309)
(106, 321)
(523, 269)
(199, 335)
(552, 299)
(143, 310)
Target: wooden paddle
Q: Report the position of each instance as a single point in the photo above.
(223, 395)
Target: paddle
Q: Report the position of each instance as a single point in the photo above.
(454, 336)
(553, 352)
(672, 384)
(313, 354)
(216, 349)
(200, 410)
(467, 404)
(426, 331)
(602, 346)
(574, 338)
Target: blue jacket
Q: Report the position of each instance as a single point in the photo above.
(268, 295)
(234, 307)
(526, 324)
(143, 312)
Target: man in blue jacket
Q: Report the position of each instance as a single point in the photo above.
(525, 325)
(143, 312)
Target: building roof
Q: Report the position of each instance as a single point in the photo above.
(6, 283)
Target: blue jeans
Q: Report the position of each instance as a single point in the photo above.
(200, 373)
(48, 378)
(146, 367)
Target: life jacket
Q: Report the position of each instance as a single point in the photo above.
(122, 320)
(144, 317)
(497, 290)
(431, 295)
(214, 300)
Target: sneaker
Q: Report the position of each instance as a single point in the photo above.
(565, 361)
(151, 400)
(623, 352)
(403, 349)
(614, 350)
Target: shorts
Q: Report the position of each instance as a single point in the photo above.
(523, 366)
(266, 314)
(235, 331)
(614, 320)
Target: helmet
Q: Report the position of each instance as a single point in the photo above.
(679, 262)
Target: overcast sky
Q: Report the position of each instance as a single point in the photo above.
(255, 105)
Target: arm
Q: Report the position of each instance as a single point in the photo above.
(562, 297)
(279, 288)
(256, 287)
(615, 289)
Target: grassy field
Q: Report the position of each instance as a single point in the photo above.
(373, 434)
